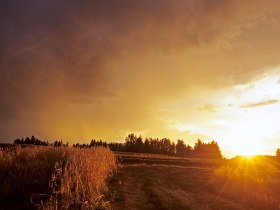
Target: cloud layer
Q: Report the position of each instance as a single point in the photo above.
(102, 68)
(261, 103)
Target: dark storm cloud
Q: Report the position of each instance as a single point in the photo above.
(67, 45)
(40, 48)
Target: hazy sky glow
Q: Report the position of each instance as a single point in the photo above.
(192, 69)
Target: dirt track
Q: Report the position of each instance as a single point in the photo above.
(155, 187)
(140, 186)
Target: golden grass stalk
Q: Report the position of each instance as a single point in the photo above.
(57, 178)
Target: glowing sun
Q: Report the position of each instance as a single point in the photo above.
(248, 149)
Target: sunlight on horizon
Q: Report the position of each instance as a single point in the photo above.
(248, 150)
(246, 120)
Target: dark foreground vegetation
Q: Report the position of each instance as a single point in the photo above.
(55, 178)
(153, 174)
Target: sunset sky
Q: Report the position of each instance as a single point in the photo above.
(77, 70)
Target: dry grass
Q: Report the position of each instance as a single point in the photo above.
(141, 158)
(56, 178)
(147, 155)
(239, 184)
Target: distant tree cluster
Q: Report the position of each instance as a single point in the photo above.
(149, 145)
(167, 147)
(114, 146)
(93, 143)
(162, 146)
(34, 141)
(59, 143)
(210, 149)
(278, 153)
(31, 140)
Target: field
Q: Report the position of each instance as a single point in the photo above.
(158, 182)
(71, 178)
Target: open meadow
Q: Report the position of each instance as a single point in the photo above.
(54, 178)
(161, 183)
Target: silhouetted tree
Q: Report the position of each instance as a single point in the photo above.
(189, 150)
(130, 142)
(209, 150)
(172, 149)
(181, 148)
(58, 143)
(278, 153)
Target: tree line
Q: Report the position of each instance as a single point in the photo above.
(35, 141)
(138, 144)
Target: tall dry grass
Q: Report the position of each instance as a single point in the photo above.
(56, 178)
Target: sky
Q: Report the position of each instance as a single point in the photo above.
(207, 69)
